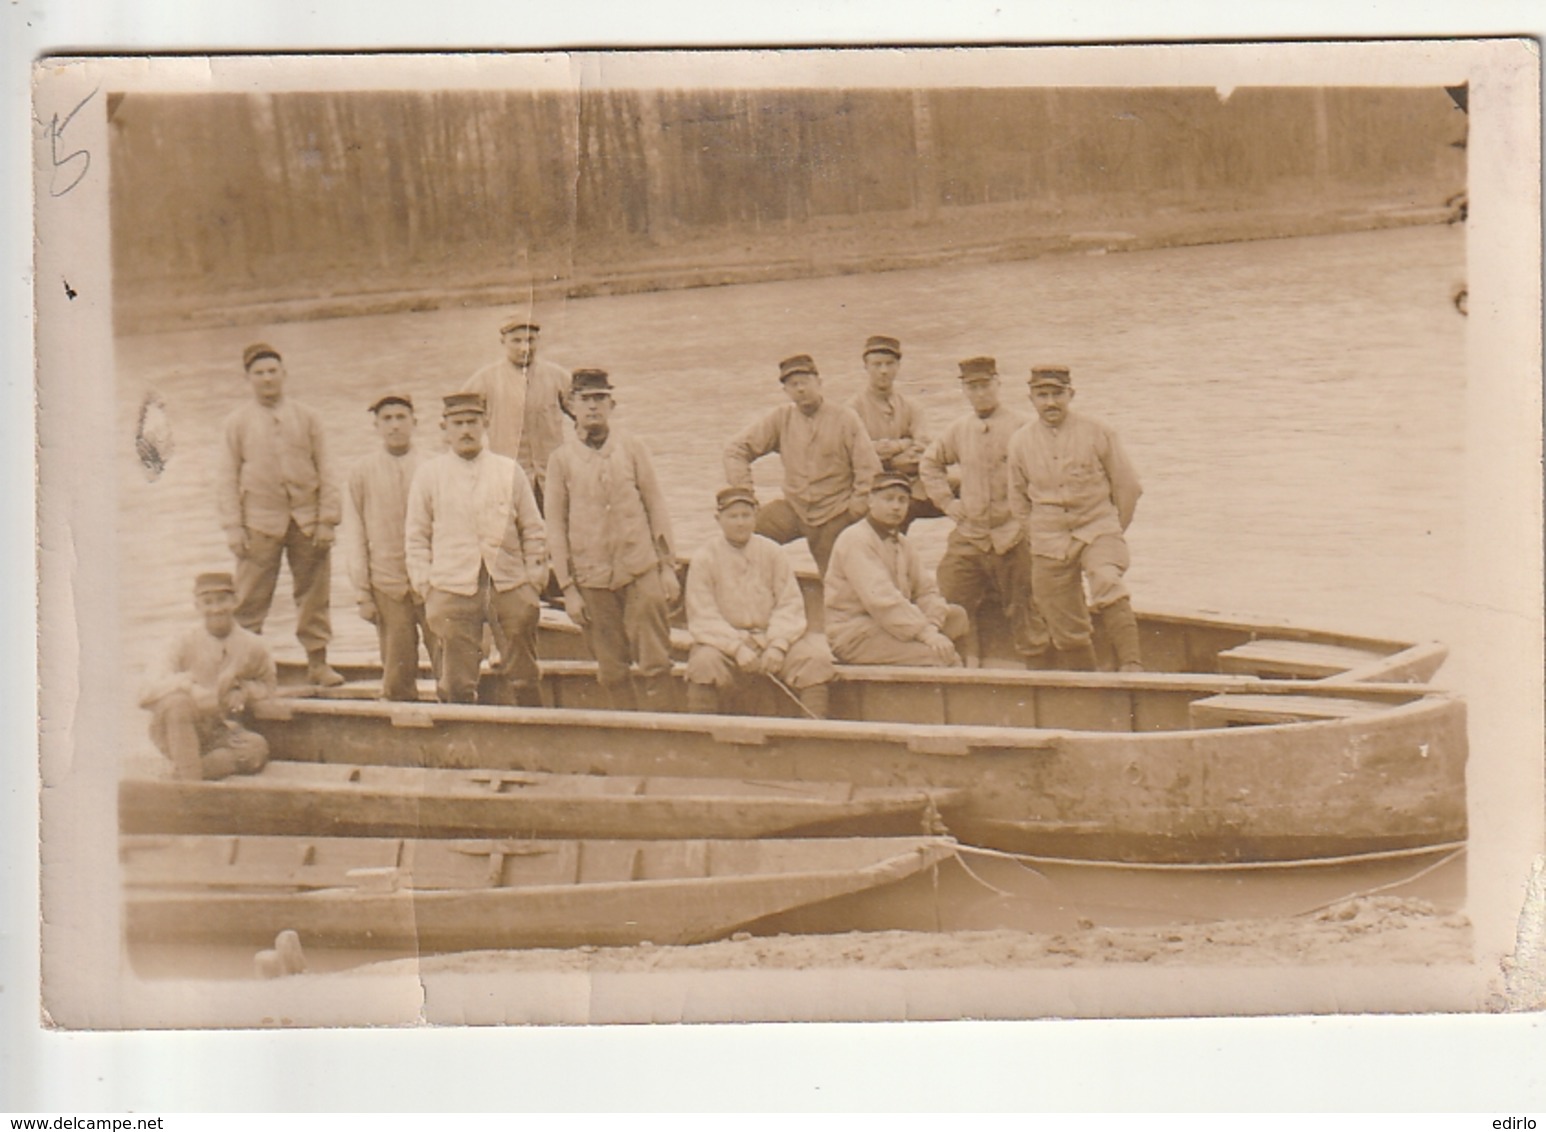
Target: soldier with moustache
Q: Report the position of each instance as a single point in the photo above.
(1075, 492)
(476, 549)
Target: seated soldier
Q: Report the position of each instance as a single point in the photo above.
(747, 617)
(883, 607)
(215, 672)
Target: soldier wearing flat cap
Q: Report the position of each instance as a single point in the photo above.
(375, 516)
(477, 551)
(278, 498)
(882, 606)
(829, 463)
(747, 617)
(987, 564)
(893, 421)
(528, 401)
(1075, 491)
(212, 674)
(613, 554)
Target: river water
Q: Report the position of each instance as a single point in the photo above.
(1294, 408)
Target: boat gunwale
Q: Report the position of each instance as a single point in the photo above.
(1421, 699)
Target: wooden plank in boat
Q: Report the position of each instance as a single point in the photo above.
(1231, 709)
(1307, 659)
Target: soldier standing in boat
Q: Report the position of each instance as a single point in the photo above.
(893, 422)
(528, 401)
(612, 548)
(747, 617)
(476, 550)
(375, 513)
(214, 673)
(987, 562)
(1073, 487)
(829, 463)
(883, 607)
(278, 497)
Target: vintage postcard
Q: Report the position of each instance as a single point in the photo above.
(786, 536)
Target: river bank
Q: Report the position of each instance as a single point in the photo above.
(878, 242)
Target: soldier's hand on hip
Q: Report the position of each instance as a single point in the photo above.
(323, 538)
(237, 541)
(574, 606)
(368, 609)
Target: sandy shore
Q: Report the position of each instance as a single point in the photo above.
(1380, 930)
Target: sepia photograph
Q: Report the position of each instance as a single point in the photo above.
(810, 535)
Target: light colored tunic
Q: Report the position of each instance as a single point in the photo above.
(878, 578)
(980, 448)
(734, 593)
(829, 459)
(526, 411)
(893, 417)
(607, 517)
(465, 516)
(375, 515)
(197, 659)
(1070, 483)
(273, 468)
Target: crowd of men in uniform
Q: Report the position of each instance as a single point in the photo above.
(539, 493)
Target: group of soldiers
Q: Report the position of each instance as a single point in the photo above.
(538, 493)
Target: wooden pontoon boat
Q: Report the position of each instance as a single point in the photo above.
(456, 895)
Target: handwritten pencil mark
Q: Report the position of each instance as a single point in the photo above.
(69, 291)
(56, 129)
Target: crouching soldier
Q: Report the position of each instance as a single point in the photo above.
(215, 672)
(883, 607)
(746, 615)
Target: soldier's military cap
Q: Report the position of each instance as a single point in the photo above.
(590, 381)
(730, 495)
(259, 350)
(880, 344)
(215, 583)
(978, 369)
(392, 399)
(800, 363)
(890, 479)
(1051, 375)
(518, 322)
(464, 403)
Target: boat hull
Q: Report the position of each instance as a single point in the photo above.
(1113, 771)
(662, 893)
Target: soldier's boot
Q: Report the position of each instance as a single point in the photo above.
(1080, 658)
(703, 699)
(319, 672)
(657, 693)
(1122, 627)
(815, 700)
(620, 696)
